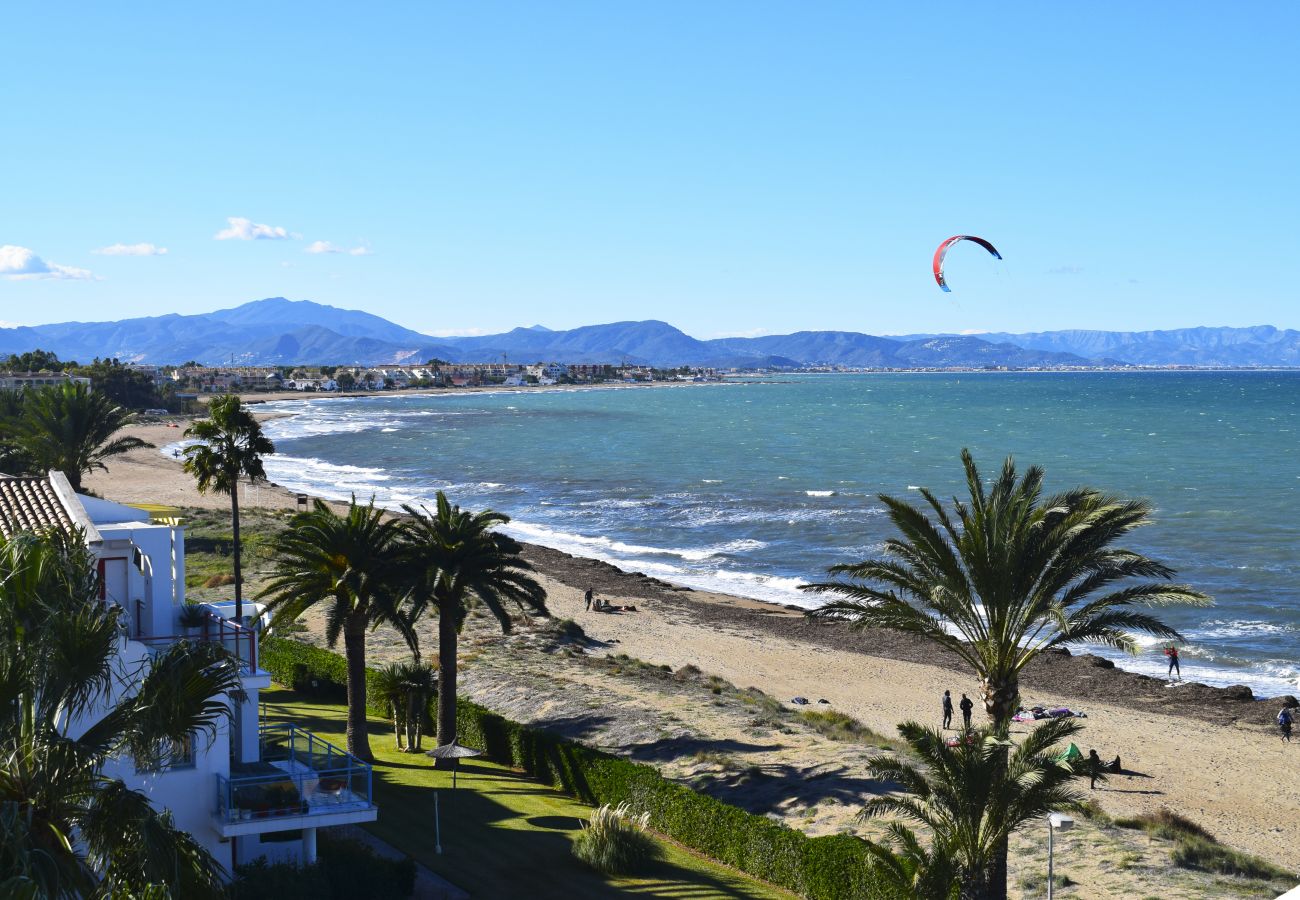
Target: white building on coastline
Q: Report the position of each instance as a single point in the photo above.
(253, 790)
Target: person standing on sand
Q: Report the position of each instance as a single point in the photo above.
(1172, 652)
(966, 706)
(947, 710)
(587, 598)
(1284, 720)
(1094, 768)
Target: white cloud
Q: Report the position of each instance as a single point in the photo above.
(242, 229)
(327, 247)
(4, 324)
(21, 264)
(131, 250)
(751, 333)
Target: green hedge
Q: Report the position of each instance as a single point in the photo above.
(311, 670)
(347, 869)
(833, 867)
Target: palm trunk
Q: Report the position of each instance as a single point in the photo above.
(412, 720)
(354, 647)
(239, 579)
(397, 723)
(447, 638)
(1001, 695)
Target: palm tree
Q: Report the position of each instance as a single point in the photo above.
(67, 828)
(232, 446)
(974, 796)
(902, 869)
(1016, 574)
(388, 688)
(70, 428)
(346, 564)
(455, 558)
(419, 680)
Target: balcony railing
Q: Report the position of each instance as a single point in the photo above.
(299, 775)
(240, 640)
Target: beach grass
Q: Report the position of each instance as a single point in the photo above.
(501, 831)
(1196, 848)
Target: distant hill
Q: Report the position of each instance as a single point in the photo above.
(1261, 345)
(277, 331)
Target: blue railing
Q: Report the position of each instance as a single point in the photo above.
(299, 775)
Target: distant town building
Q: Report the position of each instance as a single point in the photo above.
(20, 382)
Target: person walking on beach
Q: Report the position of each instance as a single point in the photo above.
(1284, 721)
(1094, 768)
(966, 706)
(1172, 652)
(947, 710)
(587, 598)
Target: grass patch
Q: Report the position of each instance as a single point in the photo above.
(500, 828)
(1036, 882)
(1092, 811)
(840, 727)
(1211, 856)
(1195, 848)
(1167, 824)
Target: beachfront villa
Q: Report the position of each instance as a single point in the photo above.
(254, 789)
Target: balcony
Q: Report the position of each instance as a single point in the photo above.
(300, 781)
(240, 640)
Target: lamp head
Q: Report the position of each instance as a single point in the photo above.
(1060, 821)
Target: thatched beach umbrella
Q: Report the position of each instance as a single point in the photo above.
(455, 752)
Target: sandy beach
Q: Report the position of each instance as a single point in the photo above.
(1209, 754)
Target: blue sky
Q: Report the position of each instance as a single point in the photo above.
(730, 167)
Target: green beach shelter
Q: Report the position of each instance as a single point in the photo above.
(1070, 754)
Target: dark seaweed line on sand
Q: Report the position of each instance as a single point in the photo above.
(1082, 676)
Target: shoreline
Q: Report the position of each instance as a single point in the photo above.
(1210, 753)
(1189, 697)
(1215, 677)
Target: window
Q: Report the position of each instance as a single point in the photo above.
(170, 755)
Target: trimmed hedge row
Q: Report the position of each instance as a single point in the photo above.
(833, 867)
(313, 670)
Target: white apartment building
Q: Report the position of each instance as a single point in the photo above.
(244, 791)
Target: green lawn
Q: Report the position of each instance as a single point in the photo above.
(503, 835)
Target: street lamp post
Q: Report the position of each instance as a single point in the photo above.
(1055, 822)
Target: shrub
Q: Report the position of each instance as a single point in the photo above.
(347, 869)
(214, 581)
(615, 842)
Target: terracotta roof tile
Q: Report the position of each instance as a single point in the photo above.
(31, 504)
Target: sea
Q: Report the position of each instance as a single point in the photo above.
(755, 486)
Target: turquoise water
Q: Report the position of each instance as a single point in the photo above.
(755, 487)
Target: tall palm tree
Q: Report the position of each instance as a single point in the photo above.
(1014, 575)
(70, 428)
(67, 828)
(974, 796)
(232, 446)
(347, 564)
(454, 559)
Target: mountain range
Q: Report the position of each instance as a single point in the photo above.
(277, 331)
